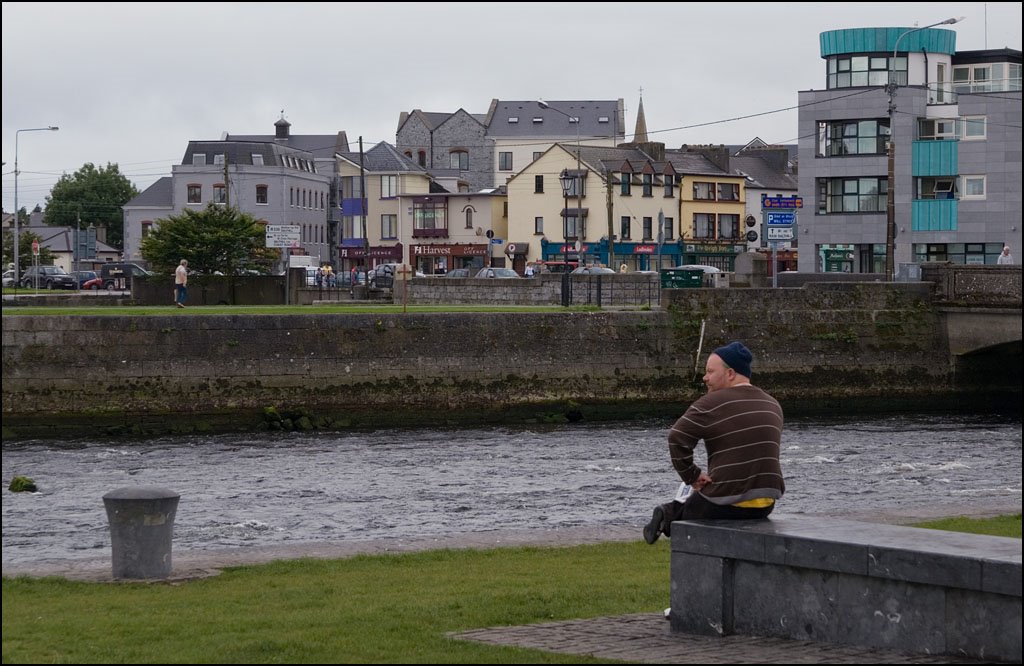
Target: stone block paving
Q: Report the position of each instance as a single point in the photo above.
(646, 638)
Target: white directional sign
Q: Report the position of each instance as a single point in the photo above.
(779, 233)
(283, 235)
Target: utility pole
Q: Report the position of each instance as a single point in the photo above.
(362, 207)
(611, 220)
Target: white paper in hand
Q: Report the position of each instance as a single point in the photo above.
(684, 492)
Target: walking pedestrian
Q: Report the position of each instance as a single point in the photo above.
(181, 283)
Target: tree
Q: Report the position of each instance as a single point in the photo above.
(91, 196)
(217, 238)
(25, 239)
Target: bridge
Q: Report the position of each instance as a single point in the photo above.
(979, 306)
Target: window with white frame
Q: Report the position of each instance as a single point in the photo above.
(261, 195)
(648, 228)
(220, 194)
(388, 226)
(936, 129)
(257, 159)
(936, 187)
(195, 194)
(624, 227)
(388, 187)
(670, 184)
(218, 159)
(648, 185)
(198, 159)
(972, 187)
(626, 185)
(973, 128)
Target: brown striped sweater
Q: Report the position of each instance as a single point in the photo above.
(741, 427)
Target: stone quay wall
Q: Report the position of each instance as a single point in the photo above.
(823, 342)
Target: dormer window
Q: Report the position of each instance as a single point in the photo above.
(574, 119)
(198, 159)
(257, 159)
(537, 120)
(513, 120)
(603, 119)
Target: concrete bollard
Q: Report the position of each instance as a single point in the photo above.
(141, 526)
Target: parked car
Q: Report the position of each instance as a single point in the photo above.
(9, 278)
(497, 273)
(118, 275)
(47, 277)
(93, 284)
(593, 270)
(555, 266)
(458, 273)
(84, 276)
(383, 275)
(698, 267)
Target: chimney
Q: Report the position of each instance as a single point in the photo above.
(717, 155)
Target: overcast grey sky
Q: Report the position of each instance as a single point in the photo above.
(132, 83)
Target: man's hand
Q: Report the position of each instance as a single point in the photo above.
(701, 481)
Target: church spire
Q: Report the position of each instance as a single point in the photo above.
(640, 133)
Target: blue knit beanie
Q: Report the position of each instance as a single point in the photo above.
(737, 357)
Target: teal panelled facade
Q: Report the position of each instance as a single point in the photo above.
(883, 40)
(933, 214)
(936, 158)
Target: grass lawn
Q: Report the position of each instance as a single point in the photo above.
(380, 608)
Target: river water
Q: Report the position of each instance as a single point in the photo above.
(287, 488)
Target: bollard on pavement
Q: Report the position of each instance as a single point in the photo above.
(141, 526)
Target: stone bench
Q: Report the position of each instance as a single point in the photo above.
(822, 579)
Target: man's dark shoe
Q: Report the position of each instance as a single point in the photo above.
(652, 530)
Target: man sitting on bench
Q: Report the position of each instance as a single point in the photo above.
(741, 427)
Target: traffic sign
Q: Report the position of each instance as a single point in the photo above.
(35, 247)
(782, 202)
(497, 241)
(779, 233)
(778, 219)
(283, 235)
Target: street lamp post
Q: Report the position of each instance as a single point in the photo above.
(890, 200)
(17, 225)
(566, 182)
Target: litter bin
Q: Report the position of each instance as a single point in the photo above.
(681, 278)
(141, 526)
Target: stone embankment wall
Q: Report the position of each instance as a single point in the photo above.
(825, 342)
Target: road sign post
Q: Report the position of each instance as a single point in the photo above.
(284, 236)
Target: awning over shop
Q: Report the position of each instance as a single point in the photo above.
(517, 248)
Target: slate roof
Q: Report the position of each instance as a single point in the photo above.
(159, 194)
(761, 174)
(322, 146)
(61, 239)
(555, 121)
(241, 152)
(383, 157)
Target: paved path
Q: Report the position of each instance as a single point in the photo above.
(645, 637)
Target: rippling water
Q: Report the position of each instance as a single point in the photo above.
(287, 488)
